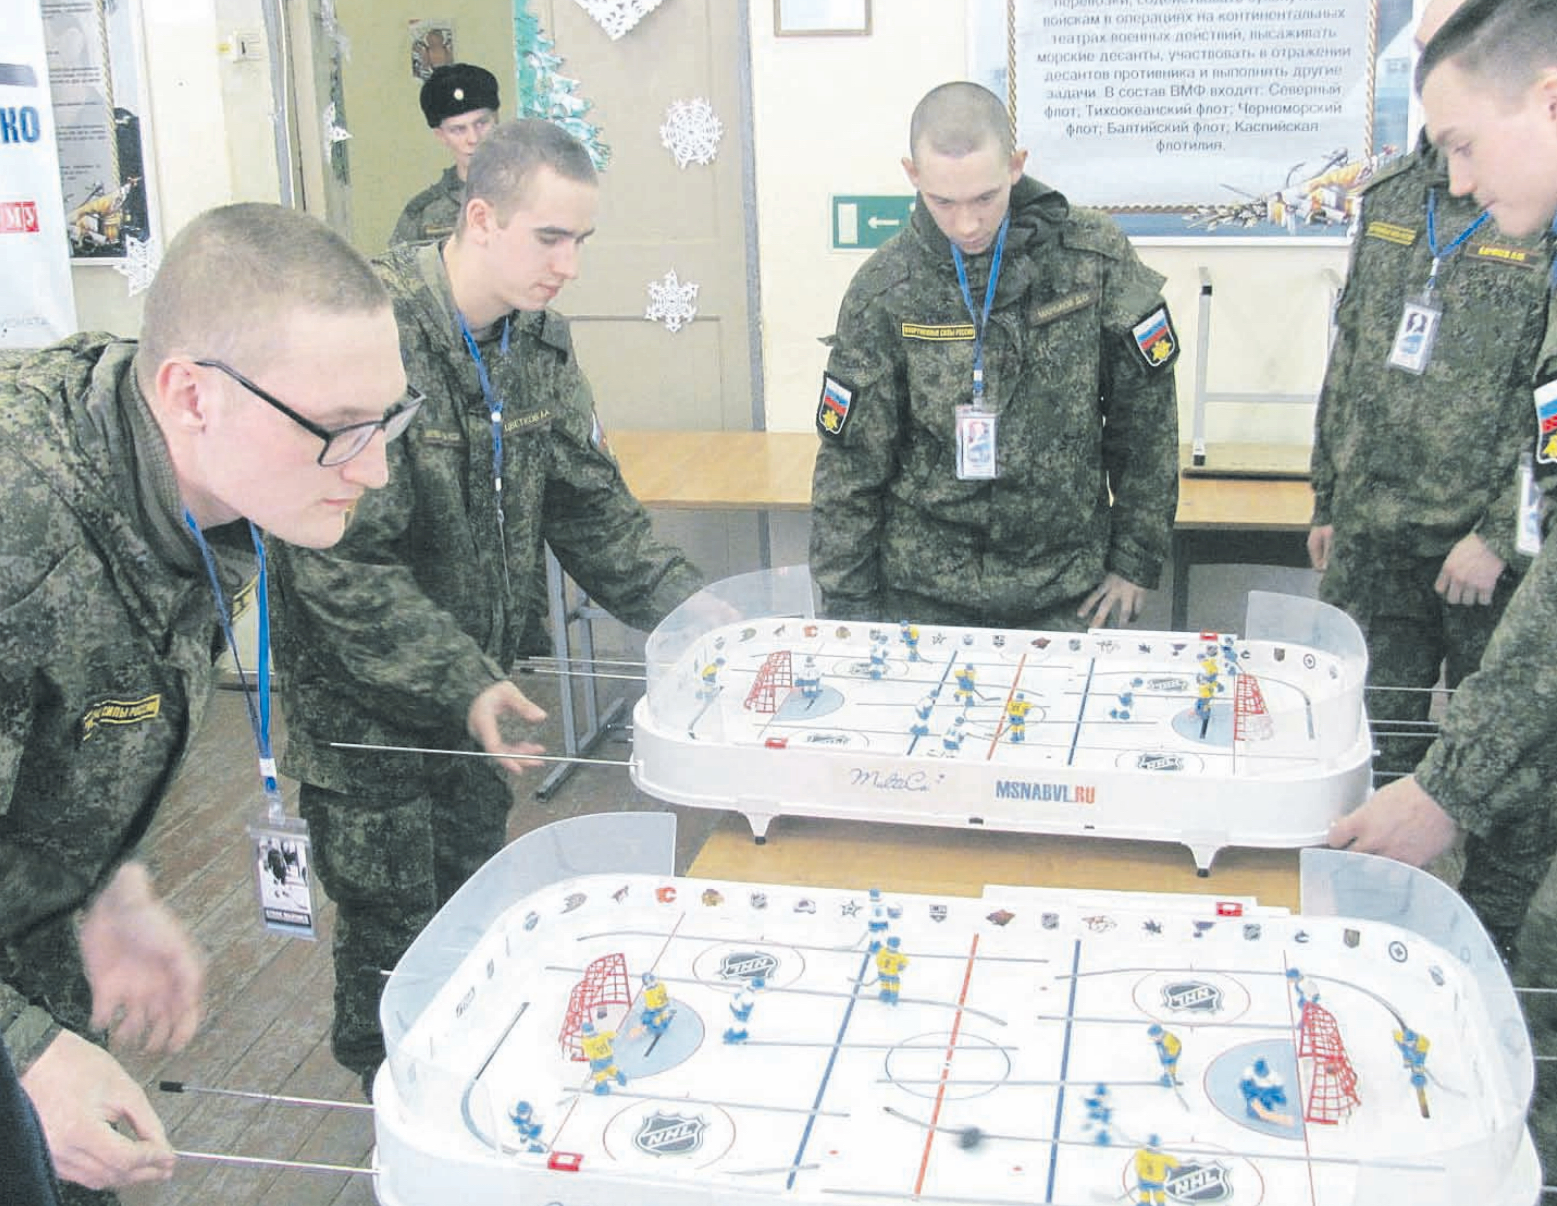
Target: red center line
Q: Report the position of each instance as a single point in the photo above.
(1000, 725)
(940, 1092)
(556, 1139)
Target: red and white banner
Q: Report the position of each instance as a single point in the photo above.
(37, 304)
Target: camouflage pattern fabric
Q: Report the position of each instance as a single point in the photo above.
(429, 217)
(107, 638)
(1407, 464)
(388, 637)
(389, 862)
(1412, 462)
(1085, 404)
(1378, 426)
(1494, 763)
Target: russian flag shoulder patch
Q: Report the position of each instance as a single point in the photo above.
(832, 412)
(1156, 339)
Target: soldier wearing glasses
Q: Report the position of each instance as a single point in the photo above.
(118, 461)
(403, 635)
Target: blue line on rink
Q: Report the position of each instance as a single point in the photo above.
(1081, 711)
(821, 1089)
(1059, 1101)
(936, 694)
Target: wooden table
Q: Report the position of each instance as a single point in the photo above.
(1220, 519)
(960, 862)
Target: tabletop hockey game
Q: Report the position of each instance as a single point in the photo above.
(1209, 739)
(572, 1034)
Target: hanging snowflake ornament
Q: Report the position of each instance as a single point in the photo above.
(671, 302)
(333, 133)
(616, 17)
(140, 262)
(691, 131)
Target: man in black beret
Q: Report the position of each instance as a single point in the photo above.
(460, 102)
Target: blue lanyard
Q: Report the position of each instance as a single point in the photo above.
(495, 412)
(989, 300)
(1432, 236)
(259, 715)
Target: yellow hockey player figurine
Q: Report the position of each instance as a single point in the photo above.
(601, 1056)
(890, 963)
(1152, 1166)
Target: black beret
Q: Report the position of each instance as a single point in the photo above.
(455, 89)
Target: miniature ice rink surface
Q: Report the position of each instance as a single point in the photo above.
(1210, 739)
(1043, 1045)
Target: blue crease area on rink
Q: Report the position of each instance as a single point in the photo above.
(1081, 712)
(832, 1059)
(1059, 1101)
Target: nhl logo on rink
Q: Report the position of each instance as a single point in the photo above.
(1159, 760)
(1194, 1181)
(1192, 996)
(937, 912)
(746, 965)
(673, 1135)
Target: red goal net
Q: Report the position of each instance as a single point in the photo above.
(775, 673)
(604, 987)
(1332, 1081)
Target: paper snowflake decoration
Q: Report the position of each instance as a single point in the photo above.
(671, 302)
(140, 262)
(691, 131)
(616, 17)
(333, 133)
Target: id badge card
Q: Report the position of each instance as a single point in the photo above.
(283, 873)
(976, 443)
(1414, 339)
(1528, 539)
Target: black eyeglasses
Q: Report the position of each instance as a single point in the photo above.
(340, 443)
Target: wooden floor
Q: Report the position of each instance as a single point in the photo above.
(269, 997)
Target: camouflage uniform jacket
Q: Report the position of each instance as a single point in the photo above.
(1411, 463)
(1497, 746)
(107, 637)
(1083, 411)
(430, 216)
(388, 637)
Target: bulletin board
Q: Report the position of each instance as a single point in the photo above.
(1203, 118)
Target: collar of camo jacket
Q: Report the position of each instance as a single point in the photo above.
(1037, 214)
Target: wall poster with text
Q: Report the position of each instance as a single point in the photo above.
(1204, 117)
(37, 304)
(97, 78)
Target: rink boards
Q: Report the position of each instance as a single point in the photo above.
(1015, 1008)
(808, 717)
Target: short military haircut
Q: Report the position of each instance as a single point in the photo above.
(1507, 43)
(234, 274)
(503, 165)
(959, 118)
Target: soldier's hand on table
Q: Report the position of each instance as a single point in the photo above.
(1320, 541)
(1401, 822)
(101, 1130)
(147, 976)
(500, 706)
(1470, 572)
(1112, 593)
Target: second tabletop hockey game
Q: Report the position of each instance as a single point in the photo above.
(1210, 739)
